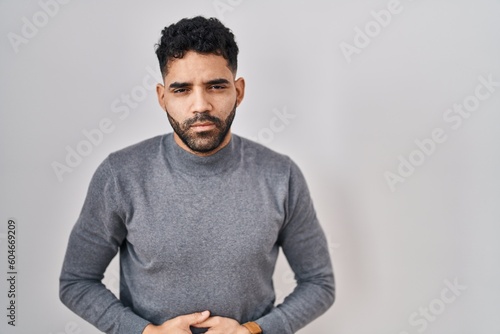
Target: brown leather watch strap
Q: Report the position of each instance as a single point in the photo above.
(253, 327)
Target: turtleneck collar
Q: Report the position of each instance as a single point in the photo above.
(189, 163)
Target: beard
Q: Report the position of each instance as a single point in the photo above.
(204, 141)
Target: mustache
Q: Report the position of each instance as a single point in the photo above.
(202, 117)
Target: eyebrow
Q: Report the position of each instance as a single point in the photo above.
(179, 85)
(218, 81)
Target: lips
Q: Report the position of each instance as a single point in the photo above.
(203, 126)
(202, 122)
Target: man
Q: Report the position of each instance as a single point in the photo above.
(198, 215)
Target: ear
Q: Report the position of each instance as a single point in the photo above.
(160, 92)
(239, 84)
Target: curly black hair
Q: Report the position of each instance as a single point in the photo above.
(206, 36)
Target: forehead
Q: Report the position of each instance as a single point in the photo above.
(194, 67)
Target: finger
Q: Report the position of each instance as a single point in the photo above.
(194, 318)
(210, 322)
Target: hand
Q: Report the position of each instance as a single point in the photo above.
(178, 325)
(221, 325)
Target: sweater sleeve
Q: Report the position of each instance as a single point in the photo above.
(306, 249)
(94, 241)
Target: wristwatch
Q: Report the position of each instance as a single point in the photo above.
(253, 327)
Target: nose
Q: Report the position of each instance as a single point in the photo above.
(201, 101)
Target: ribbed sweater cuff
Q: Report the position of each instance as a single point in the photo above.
(274, 322)
(131, 323)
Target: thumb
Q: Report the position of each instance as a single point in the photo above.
(196, 318)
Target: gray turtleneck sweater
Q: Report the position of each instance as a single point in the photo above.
(196, 233)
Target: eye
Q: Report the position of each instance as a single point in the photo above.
(179, 90)
(217, 87)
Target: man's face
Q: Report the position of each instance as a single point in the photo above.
(200, 97)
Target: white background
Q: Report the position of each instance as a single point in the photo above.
(353, 117)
